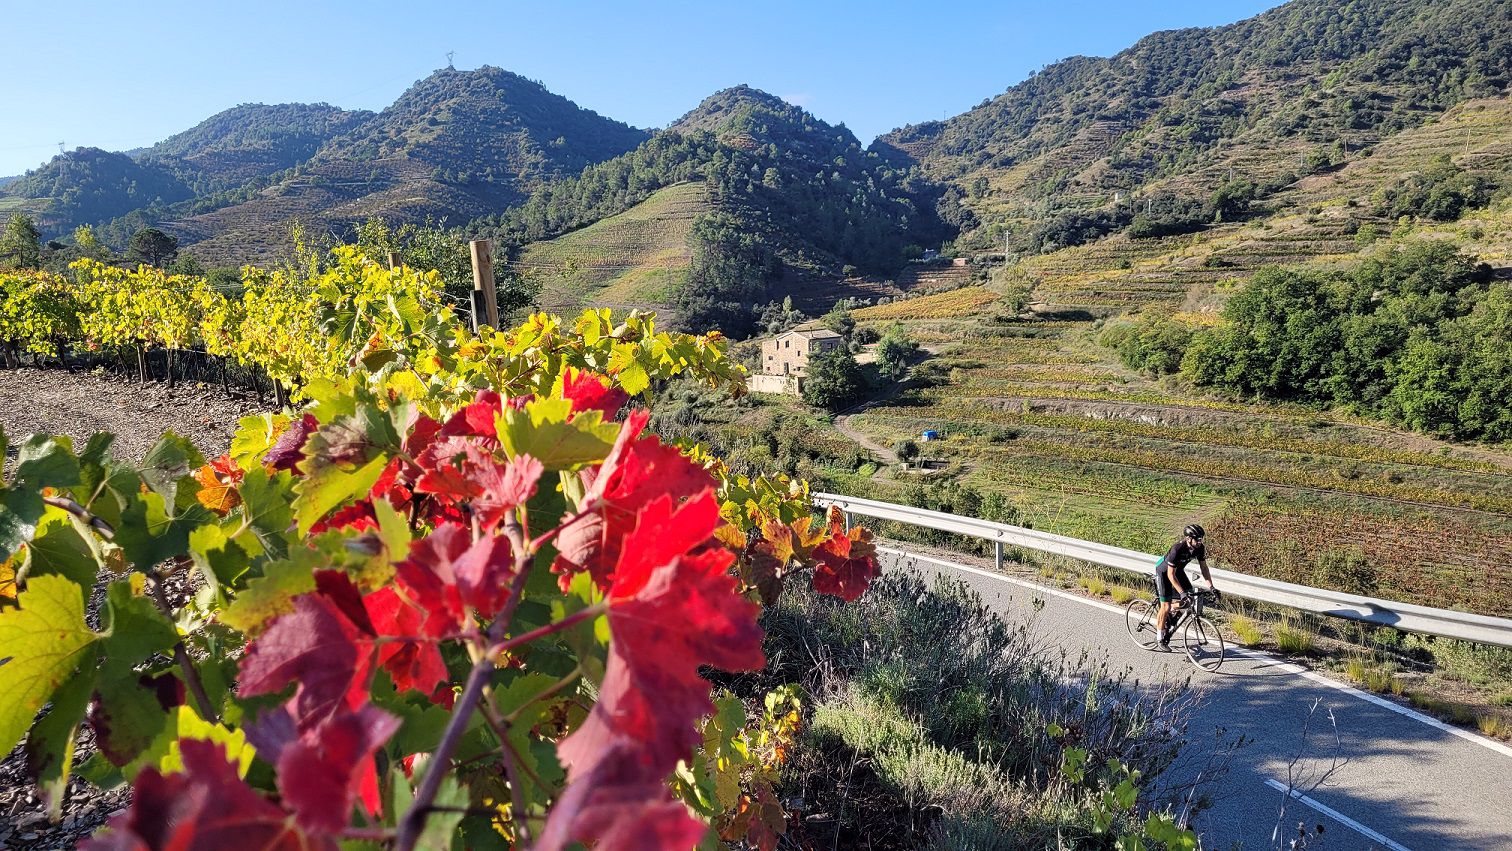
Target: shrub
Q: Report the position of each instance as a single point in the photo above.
(1152, 344)
(955, 716)
(1442, 192)
(1478, 664)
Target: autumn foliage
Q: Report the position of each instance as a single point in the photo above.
(461, 599)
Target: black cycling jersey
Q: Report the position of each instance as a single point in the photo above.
(1181, 553)
(1178, 558)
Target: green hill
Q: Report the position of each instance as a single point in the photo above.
(638, 258)
(251, 140)
(789, 201)
(197, 169)
(88, 185)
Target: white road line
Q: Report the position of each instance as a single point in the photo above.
(1290, 667)
(1337, 816)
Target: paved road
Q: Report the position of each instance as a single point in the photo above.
(1406, 781)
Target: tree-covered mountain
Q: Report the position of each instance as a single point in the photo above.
(487, 127)
(456, 145)
(785, 195)
(88, 185)
(253, 139)
(1167, 122)
(216, 156)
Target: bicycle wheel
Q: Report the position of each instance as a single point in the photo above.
(1139, 620)
(1203, 643)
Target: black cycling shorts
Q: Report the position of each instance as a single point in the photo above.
(1163, 589)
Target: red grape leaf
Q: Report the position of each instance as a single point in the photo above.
(325, 771)
(447, 574)
(636, 471)
(288, 450)
(411, 664)
(316, 646)
(671, 612)
(847, 564)
(206, 808)
(620, 806)
(589, 392)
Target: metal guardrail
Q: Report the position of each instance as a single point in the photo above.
(1404, 616)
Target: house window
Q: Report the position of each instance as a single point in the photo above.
(787, 344)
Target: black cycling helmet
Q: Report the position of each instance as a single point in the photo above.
(1194, 531)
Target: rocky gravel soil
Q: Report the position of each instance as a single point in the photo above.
(54, 402)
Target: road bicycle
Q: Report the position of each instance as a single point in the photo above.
(1200, 639)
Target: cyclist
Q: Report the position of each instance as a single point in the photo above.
(1170, 576)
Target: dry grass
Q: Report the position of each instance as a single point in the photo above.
(1246, 630)
(1294, 638)
(1458, 713)
(1094, 585)
(1494, 726)
(1373, 677)
(1122, 595)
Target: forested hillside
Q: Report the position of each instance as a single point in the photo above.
(786, 195)
(198, 168)
(88, 185)
(253, 139)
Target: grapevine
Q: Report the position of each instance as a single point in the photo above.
(461, 595)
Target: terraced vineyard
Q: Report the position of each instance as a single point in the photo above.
(1186, 271)
(636, 258)
(1035, 410)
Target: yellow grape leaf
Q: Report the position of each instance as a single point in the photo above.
(8, 577)
(190, 726)
(45, 639)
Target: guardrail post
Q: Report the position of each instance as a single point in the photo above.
(848, 522)
(997, 554)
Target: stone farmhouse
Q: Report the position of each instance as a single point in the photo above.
(785, 358)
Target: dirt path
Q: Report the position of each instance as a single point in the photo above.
(51, 401)
(882, 453)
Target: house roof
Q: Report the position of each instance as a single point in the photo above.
(810, 333)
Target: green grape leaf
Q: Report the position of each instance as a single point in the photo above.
(127, 718)
(169, 462)
(134, 631)
(219, 559)
(266, 508)
(50, 744)
(255, 435)
(47, 462)
(327, 485)
(148, 534)
(46, 640)
(59, 548)
(94, 462)
(269, 595)
(542, 431)
(188, 725)
(20, 509)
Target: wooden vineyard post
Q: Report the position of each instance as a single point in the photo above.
(393, 259)
(485, 299)
(142, 363)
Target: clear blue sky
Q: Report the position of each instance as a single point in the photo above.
(119, 75)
